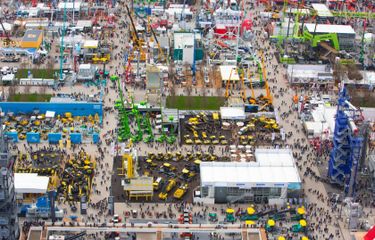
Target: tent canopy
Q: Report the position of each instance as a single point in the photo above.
(30, 183)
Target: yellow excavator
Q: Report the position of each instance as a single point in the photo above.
(267, 99)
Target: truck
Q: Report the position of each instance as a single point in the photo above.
(170, 185)
(180, 192)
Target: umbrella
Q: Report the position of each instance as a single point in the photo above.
(225, 124)
(230, 210)
(304, 238)
(250, 210)
(240, 124)
(271, 222)
(281, 238)
(249, 222)
(303, 222)
(301, 210)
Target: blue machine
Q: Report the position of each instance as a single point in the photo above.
(347, 145)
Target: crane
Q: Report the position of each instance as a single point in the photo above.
(161, 52)
(243, 90)
(228, 83)
(62, 48)
(136, 38)
(268, 97)
(252, 99)
(7, 39)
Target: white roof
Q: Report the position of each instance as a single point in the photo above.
(330, 28)
(232, 113)
(8, 77)
(69, 5)
(225, 72)
(322, 10)
(182, 39)
(91, 44)
(30, 183)
(84, 23)
(273, 167)
(85, 66)
(317, 128)
(325, 115)
(7, 26)
(50, 114)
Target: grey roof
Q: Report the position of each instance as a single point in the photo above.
(31, 35)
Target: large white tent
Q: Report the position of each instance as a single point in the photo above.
(30, 183)
(232, 113)
(273, 168)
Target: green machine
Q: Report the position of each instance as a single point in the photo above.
(316, 39)
(124, 131)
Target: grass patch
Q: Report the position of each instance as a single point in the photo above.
(37, 73)
(195, 102)
(32, 97)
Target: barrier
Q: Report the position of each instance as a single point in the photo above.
(77, 109)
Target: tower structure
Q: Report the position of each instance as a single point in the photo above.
(347, 144)
(9, 228)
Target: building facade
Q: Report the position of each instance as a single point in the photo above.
(8, 209)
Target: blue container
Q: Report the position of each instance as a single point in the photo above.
(32, 137)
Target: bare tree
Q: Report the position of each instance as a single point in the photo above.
(27, 89)
(42, 90)
(50, 64)
(11, 90)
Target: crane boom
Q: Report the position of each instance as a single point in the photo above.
(7, 39)
(228, 83)
(266, 86)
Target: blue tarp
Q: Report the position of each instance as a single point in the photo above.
(54, 138)
(76, 138)
(95, 138)
(42, 202)
(32, 137)
(13, 136)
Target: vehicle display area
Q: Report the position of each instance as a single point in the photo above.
(187, 119)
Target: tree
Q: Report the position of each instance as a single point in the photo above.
(43, 90)
(12, 90)
(27, 89)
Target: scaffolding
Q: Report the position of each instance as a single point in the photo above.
(347, 144)
(8, 208)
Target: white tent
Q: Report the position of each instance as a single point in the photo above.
(232, 113)
(30, 183)
(273, 168)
